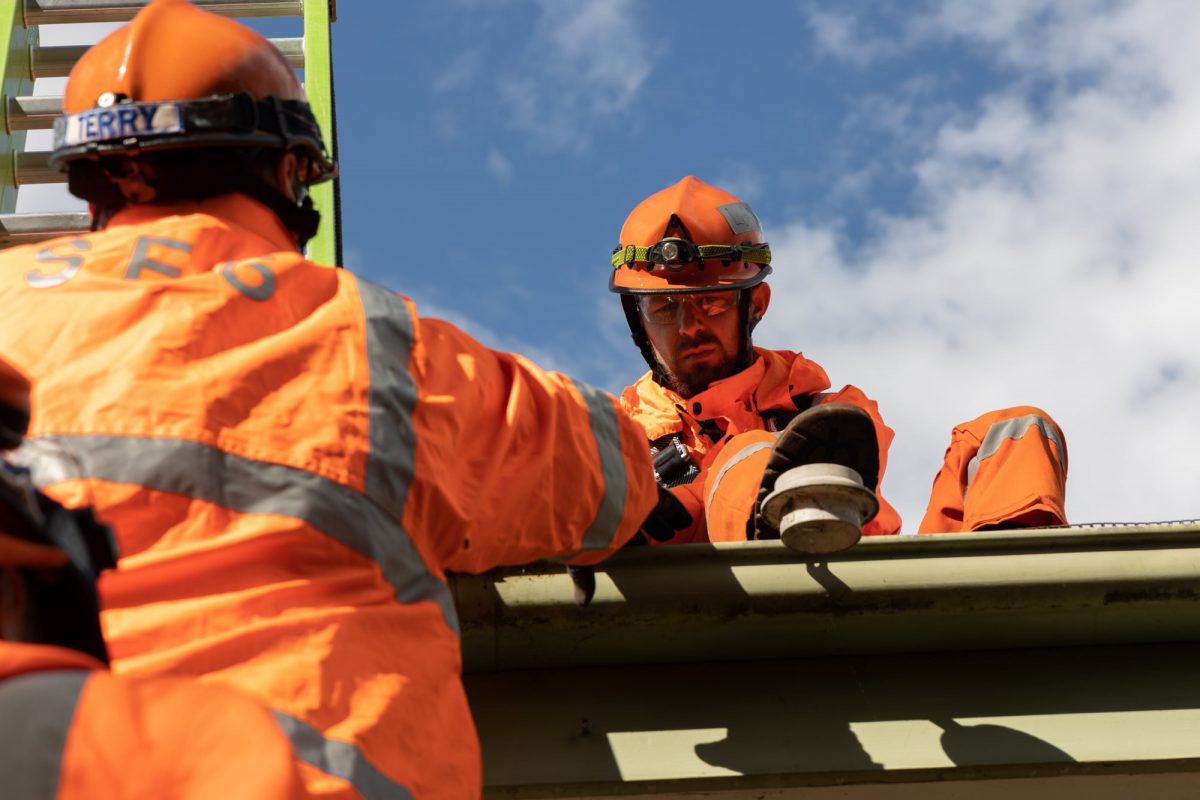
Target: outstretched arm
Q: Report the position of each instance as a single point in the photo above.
(515, 464)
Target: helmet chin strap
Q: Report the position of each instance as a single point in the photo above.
(301, 219)
(746, 322)
(193, 176)
(638, 330)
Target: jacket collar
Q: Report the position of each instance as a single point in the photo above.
(768, 384)
(236, 211)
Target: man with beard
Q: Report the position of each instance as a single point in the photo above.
(725, 418)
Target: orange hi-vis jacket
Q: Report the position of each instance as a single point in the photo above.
(71, 730)
(1005, 468)
(292, 460)
(741, 414)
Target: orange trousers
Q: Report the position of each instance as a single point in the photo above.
(1006, 468)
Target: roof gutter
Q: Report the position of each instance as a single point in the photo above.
(896, 594)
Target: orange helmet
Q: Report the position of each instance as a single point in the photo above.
(690, 237)
(177, 77)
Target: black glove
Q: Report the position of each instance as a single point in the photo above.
(584, 579)
(668, 516)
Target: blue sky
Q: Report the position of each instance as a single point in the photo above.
(972, 205)
(521, 134)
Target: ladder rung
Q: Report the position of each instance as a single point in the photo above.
(50, 12)
(26, 228)
(33, 113)
(56, 62)
(33, 167)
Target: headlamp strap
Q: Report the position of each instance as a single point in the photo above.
(756, 254)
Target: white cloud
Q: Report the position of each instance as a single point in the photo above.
(571, 75)
(1051, 261)
(550, 71)
(499, 167)
(840, 35)
(460, 73)
(740, 178)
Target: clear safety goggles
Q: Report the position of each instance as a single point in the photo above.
(665, 309)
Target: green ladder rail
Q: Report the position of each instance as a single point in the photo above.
(23, 59)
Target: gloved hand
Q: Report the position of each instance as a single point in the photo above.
(584, 579)
(667, 516)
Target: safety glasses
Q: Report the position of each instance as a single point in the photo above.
(664, 309)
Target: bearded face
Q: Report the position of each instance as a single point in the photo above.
(696, 338)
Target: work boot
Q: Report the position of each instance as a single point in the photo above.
(837, 434)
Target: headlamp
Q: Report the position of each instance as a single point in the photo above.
(676, 253)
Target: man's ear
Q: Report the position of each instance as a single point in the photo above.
(760, 298)
(289, 179)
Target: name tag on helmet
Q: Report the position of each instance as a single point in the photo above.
(117, 122)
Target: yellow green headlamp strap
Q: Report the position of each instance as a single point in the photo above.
(681, 251)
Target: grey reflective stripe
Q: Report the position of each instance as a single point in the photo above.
(340, 759)
(391, 397)
(603, 416)
(741, 456)
(250, 486)
(36, 712)
(1014, 428)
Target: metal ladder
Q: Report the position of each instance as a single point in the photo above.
(23, 59)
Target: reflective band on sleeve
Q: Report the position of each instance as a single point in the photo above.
(603, 415)
(741, 456)
(248, 486)
(1014, 428)
(391, 397)
(37, 710)
(339, 759)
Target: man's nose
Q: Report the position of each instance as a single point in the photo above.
(690, 317)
